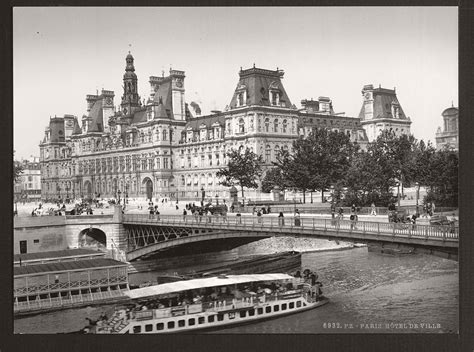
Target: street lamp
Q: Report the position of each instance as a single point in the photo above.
(119, 193)
(67, 191)
(126, 193)
(417, 197)
(217, 199)
(203, 194)
(398, 192)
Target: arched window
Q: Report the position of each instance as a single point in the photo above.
(182, 180)
(275, 125)
(284, 126)
(268, 153)
(277, 150)
(165, 135)
(241, 126)
(267, 125)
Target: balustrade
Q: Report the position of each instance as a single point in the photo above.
(306, 225)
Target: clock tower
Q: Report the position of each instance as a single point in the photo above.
(130, 97)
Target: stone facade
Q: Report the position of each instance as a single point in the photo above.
(162, 147)
(380, 111)
(449, 134)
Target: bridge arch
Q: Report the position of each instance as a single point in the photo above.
(92, 238)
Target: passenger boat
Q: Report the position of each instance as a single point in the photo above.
(210, 303)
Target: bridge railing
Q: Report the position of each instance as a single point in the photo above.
(277, 224)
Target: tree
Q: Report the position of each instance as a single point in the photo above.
(318, 161)
(273, 177)
(243, 169)
(443, 188)
(388, 161)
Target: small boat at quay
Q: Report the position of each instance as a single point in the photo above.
(211, 303)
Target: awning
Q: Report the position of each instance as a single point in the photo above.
(201, 283)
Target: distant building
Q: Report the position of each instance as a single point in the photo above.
(28, 187)
(380, 111)
(449, 135)
(162, 147)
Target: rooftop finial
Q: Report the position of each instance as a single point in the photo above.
(254, 65)
(380, 86)
(452, 104)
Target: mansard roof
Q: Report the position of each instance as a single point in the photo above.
(163, 95)
(257, 82)
(208, 121)
(77, 128)
(383, 100)
(96, 114)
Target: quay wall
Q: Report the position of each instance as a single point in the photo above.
(51, 233)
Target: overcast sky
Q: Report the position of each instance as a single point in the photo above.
(62, 54)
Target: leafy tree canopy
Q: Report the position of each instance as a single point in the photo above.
(244, 168)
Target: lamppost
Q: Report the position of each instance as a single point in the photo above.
(417, 197)
(126, 193)
(398, 193)
(203, 194)
(217, 199)
(119, 193)
(67, 191)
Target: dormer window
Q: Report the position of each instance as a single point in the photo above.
(240, 99)
(275, 98)
(275, 125)
(241, 95)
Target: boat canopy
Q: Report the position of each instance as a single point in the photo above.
(202, 283)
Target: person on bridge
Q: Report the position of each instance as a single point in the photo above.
(259, 217)
(281, 220)
(184, 214)
(297, 218)
(373, 210)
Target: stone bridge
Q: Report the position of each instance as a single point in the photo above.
(134, 236)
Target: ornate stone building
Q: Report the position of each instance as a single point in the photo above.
(161, 147)
(380, 111)
(449, 134)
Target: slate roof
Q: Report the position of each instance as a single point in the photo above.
(36, 269)
(257, 82)
(206, 120)
(139, 116)
(383, 99)
(452, 111)
(164, 92)
(97, 124)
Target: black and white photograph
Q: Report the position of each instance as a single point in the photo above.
(238, 170)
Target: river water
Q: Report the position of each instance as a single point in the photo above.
(369, 293)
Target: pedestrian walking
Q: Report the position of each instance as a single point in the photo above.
(184, 214)
(259, 217)
(297, 218)
(281, 220)
(373, 210)
(239, 217)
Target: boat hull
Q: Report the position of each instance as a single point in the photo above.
(222, 319)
